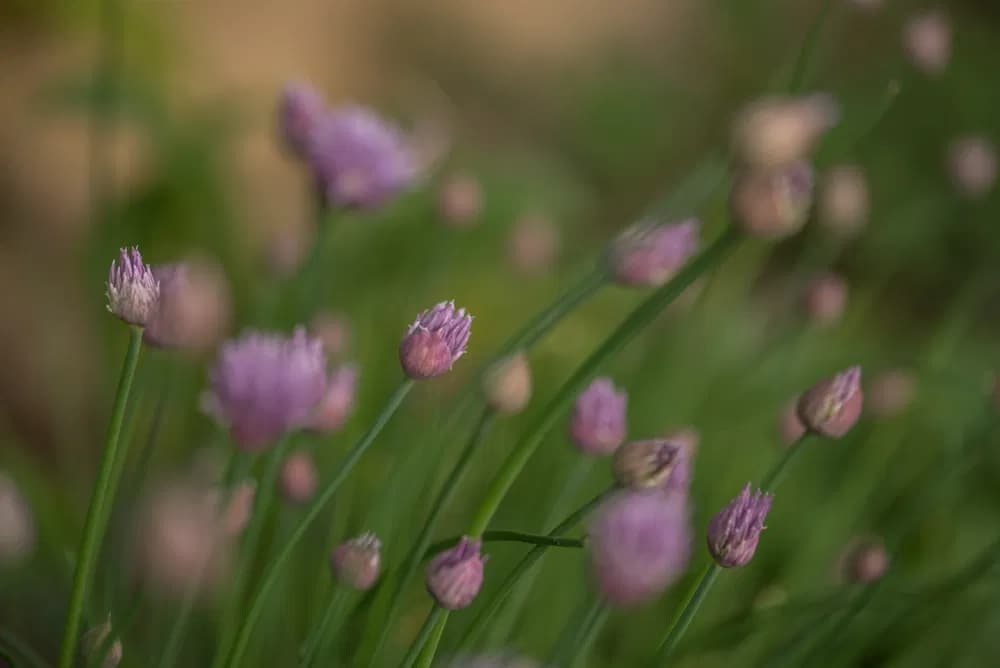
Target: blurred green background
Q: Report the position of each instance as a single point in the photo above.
(586, 113)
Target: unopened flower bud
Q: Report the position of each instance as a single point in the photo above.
(93, 642)
(927, 41)
(734, 532)
(772, 203)
(597, 425)
(435, 341)
(17, 528)
(640, 543)
(826, 299)
(831, 407)
(890, 392)
(790, 427)
(132, 289)
(299, 110)
(334, 330)
(679, 480)
(298, 477)
(864, 561)
(645, 464)
(533, 244)
(193, 309)
(649, 254)
(972, 164)
(777, 131)
(455, 576)
(338, 401)
(358, 562)
(460, 200)
(843, 200)
(507, 384)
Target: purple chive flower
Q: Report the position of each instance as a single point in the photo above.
(455, 576)
(646, 464)
(193, 309)
(358, 562)
(264, 385)
(640, 544)
(360, 160)
(299, 110)
(435, 341)
(772, 203)
(831, 407)
(648, 254)
(598, 422)
(337, 402)
(733, 533)
(132, 290)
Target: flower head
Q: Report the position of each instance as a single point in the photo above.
(360, 160)
(533, 244)
(193, 309)
(334, 330)
(972, 164)
(435, 341)
(777, 131)
(17, 526)
(337, 402)
(826, 299)
(864, 560)
(455, 576)
(927, 41)
(844, 200)
(132, 289)
(679, 480)
(298, 477)
(507, 384)
(264, 385)
(733, 533)
(640, 544)
(460, 200)
(358, 562)
(649, 254)
(772, 203)
(790, 427)
(597, 425)
(646, 464)
(831, 407)
(301, 107)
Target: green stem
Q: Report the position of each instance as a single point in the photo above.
(638, 319)
(413, 558)
(777, 473)
(525, 564)
(322, 631)
(173, 646)
(687, 612)
(20, 648)
(263, 499)
(592, 626)
(421, 640)
(96, 523)
(508, 537)
(808, 50)
(271, 575)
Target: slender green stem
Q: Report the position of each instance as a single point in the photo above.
(422, 637)
(592, 626)
(263, 499)
(638, 319)
(315, 510)
(93, 531)
(777, 473)
(320, 634)
(20, 648)
(172, 648)
(508, 537)
(525, 564)
(801, 68)
(687, 612)
(413, 558)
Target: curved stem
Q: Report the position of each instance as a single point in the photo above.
(419, 547)
(687, 612)
(96, 523)
(271, 575)
(777, 473)
(320, 634)
(526, 562)
(592, 625)
(421, 640)
(508, 537)
(809, 44)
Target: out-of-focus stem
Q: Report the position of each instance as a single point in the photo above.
(104, 486)
(508, 537)
(277, 565)
(425, 633)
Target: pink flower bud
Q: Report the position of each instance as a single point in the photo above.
(645, 464)
(334, 330)
(17, 527)
(338, 401)
(533, 245)
(844, 201)
(649, 254)
(358, 562)
(298, 477)
(597, 425)
(507, 384)
(790, 427)
(193, 310)
(864, 561)
(889, 393)
(734, 532)
(460, 200)
(972, 164)
(777, 131)
(772, 203)
(927, 41)
(455, 576)
(132, 289)
(826, 299)
(831, 407)
(435, 341)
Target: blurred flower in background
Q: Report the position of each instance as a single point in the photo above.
(17, 526)
(927, 39)
(972, 165)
